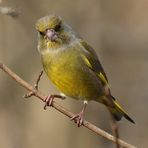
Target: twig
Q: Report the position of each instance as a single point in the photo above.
(38, 79)
(115, 131)
(31, 93)
(9, 11)
(61, 109)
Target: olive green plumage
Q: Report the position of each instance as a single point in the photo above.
(73, 66)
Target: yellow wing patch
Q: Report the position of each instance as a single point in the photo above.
(86, 60)
(101, 76)
(117, 106)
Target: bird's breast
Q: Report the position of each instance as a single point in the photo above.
(71, 77)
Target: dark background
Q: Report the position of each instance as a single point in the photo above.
(118, 32)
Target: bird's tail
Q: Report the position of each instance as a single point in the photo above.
(117, 111)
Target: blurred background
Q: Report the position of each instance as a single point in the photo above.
(118, 32)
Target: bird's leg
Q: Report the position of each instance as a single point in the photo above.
(79, 118)
(49, 99)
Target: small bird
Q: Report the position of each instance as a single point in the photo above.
(73, 67)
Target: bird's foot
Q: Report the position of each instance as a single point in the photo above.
(49, 100)
(78, 118)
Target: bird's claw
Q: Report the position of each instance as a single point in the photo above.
(79, 119)
(48, 101)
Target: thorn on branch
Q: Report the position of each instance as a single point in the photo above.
(31, 93)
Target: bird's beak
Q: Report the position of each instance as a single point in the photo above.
(51, 34)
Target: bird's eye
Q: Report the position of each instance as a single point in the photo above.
(58, 27)
(41, 33)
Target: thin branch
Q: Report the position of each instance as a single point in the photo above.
(38, 79)
(61, 109)
(31, 93)
(115, 131)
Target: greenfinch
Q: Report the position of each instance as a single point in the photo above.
(73, 67)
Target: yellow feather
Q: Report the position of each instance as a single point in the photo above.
(101, 76)
(118, 107)
(86, 60)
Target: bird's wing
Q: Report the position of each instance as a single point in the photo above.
(91, 60)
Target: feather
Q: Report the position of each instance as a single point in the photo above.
(91, 60)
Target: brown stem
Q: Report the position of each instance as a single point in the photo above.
(38, 79)
(61, 109)
(31, 93)
(115, 131)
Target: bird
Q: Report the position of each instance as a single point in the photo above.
(73, 66)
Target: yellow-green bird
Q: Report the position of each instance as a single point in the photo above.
(73, 66)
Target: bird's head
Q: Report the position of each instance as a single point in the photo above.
(53, 32)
